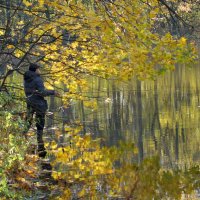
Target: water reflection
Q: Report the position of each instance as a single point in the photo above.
(160, 116)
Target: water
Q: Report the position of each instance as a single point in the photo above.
(160, 116)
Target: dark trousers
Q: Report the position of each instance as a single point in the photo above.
(40, 122)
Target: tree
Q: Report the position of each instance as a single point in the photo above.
(74, 40)
(104, 38)
(179, 17)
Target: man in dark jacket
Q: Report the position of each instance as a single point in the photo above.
(35, 93)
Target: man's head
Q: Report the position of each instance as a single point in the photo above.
(34, 68)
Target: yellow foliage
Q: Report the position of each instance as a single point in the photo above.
(48, 86)
(117, 45)
(10, 46)
(114, 40)
(183, 41)
(1, 32)
(27, 3)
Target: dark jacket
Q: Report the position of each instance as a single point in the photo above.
(35, 91)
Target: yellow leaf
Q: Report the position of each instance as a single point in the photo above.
(27, 3)
(41, 2)
(10, 46)
(1, 32)
(76, 176)
(183, 40)
(20, 22)
(19, 53)
(81, 193)
(48, 86)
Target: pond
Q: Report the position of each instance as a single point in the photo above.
(160, 117)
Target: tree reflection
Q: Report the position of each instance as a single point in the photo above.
(110, 172)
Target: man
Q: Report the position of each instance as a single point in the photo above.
(35, 93)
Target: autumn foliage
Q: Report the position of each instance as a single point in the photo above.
(72, 41)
